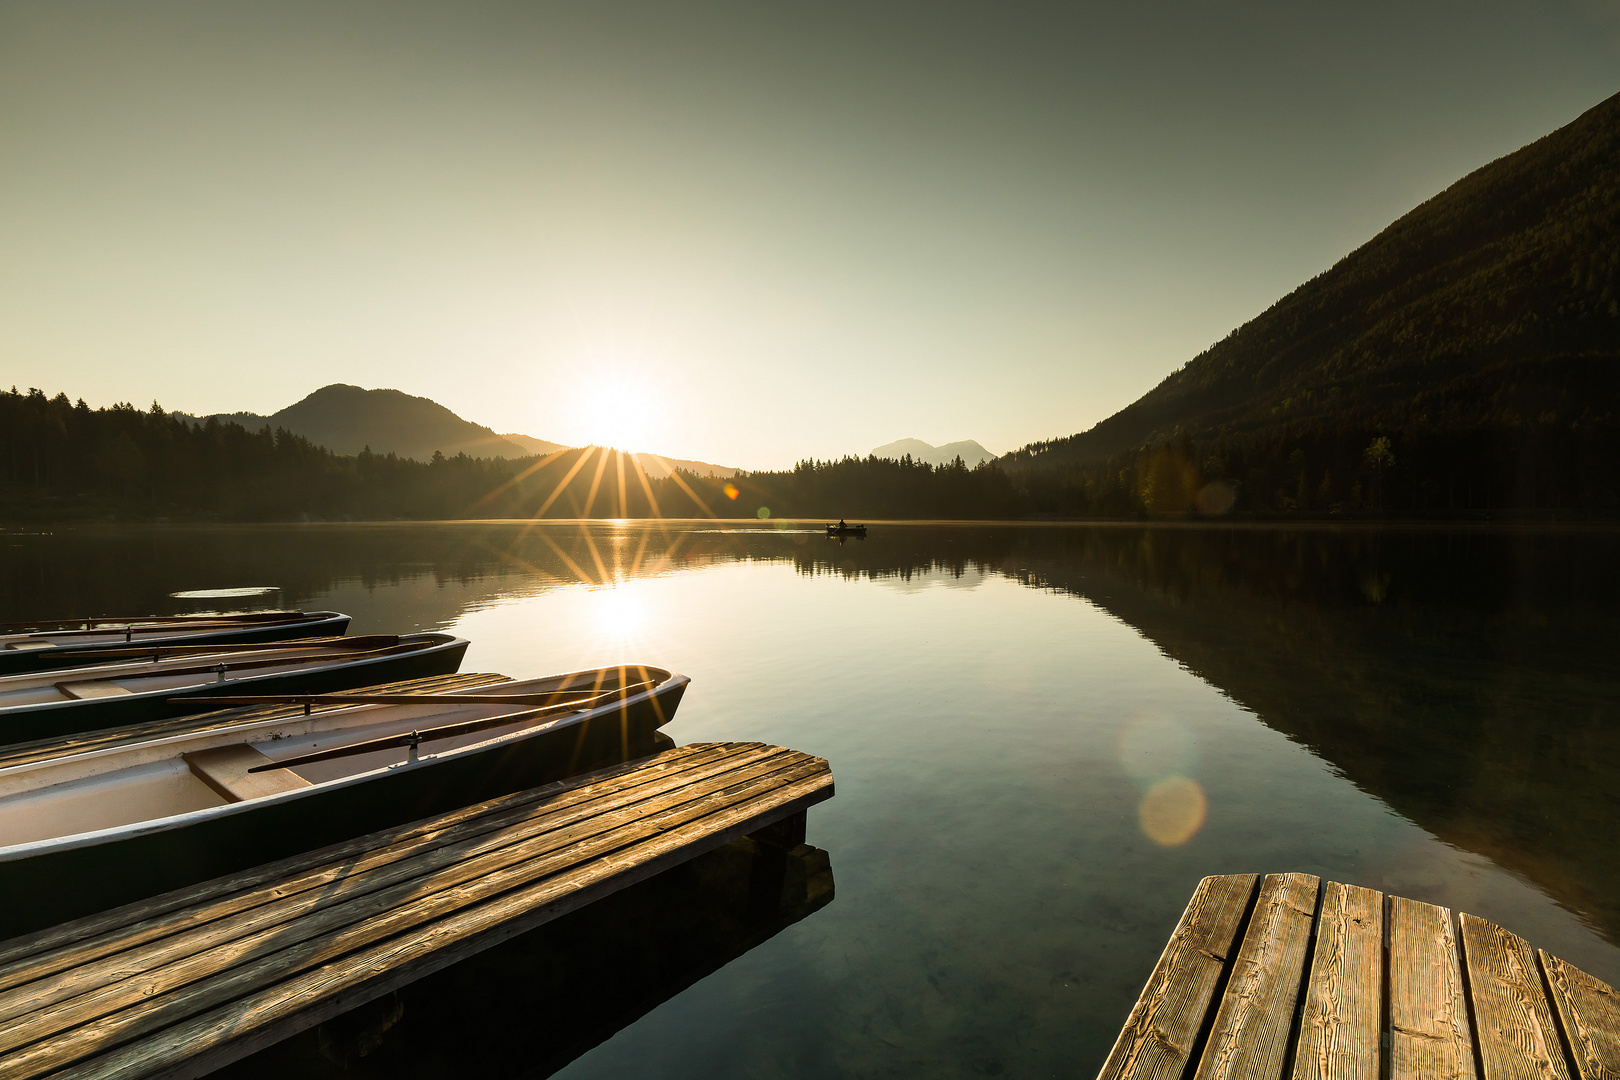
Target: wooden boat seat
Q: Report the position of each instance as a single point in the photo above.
(101, 689)
(225, 769)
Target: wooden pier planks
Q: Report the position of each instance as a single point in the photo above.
(1250, 1037)
(1512, 1017)
(1429, 1036)
(1339, 1030)
(1363, 986)
(183, 984)
(1158, 1038)
(1589, 1012)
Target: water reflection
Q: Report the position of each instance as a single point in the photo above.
(530, 1006)
(1467, 678)
(1042, 735)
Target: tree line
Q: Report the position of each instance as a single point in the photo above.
(61, 461)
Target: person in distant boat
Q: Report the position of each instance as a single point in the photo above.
(841, 524)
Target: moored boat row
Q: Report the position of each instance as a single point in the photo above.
(116, 783)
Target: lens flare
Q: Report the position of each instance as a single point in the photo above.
(1173, 811)
(732, 491)
(763, 513)
(1152, 746)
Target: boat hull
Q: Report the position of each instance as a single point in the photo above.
(31, 722)
(329, 624)
(43, 889)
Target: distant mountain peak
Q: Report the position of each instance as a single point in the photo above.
(968, 450)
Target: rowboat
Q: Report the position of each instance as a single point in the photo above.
(82, 831)
(34, 646)
(846, 530)
(128, 685)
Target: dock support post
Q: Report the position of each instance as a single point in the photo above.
(787, 833)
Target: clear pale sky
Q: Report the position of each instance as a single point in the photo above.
(771, 230)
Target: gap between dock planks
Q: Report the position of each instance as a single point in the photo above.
(1271, 977)
(183, 984)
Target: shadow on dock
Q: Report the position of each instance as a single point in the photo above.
(530, 1006)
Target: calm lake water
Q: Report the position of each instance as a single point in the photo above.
(1043, 736)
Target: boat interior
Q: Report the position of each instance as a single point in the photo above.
(76, 632)
(119, 671)
(138, 782)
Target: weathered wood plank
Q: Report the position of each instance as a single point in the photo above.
(1250, 1038)
(1430, 1036)
(28, 956)
(229, 771)
(1339, 1031)
(208, 1041)
(86, 1024)
(1513, 1022)
(1164, 1024)
(87, 689)
(1589, 1012)
(76, 971)
(450, 855)
(303, 930)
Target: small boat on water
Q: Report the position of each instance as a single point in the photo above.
(82, 831)
(34, 646)
(130, 684)
(841, 529)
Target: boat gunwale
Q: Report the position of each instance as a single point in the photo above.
(34, 708)
(50, 845)
(302, 619)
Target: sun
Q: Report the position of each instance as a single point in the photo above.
(618, 409)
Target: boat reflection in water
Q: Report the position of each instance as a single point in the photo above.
(534, 1004)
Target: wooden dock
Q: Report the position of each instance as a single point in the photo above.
(182, 984)
(1284, 976)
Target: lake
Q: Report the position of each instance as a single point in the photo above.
(1043, 736)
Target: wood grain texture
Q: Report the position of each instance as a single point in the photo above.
(1339, 1031)
(604, 849)
(226, 1034)
(228, 770)
(1513, 1021)
(1250, 1038)
(1163, 1025)
(89, 689)
(1589, 1011)
(28, 957)
(1430, 1036)
(471, 847)
(316, 936)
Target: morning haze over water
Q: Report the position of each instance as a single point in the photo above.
(1043, 736)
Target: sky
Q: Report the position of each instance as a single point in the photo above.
(746, 233)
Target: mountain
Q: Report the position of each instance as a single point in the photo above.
(1494, 307)
(660, 467)
(654, 466)
(531, 445)
(347, 419)
(969, 451)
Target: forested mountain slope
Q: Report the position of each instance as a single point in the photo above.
(1493, 307)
